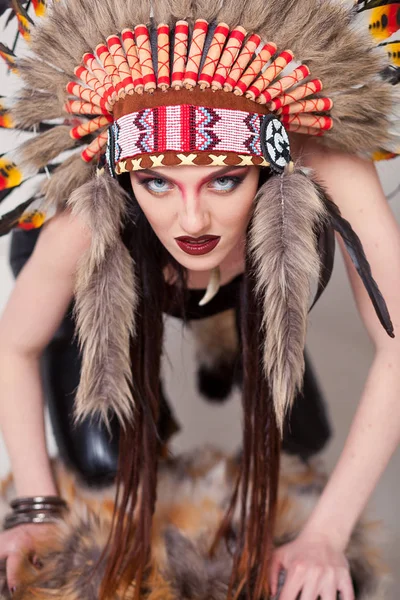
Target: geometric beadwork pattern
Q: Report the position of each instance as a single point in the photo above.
(187, 128)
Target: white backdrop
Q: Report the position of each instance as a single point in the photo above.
(339, 348)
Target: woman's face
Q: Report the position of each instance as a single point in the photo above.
(200, 214)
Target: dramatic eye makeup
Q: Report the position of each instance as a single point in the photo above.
(156, 185)
(224, 183)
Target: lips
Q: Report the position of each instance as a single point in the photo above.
(197, 246)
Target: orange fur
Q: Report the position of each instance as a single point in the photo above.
(192, 493)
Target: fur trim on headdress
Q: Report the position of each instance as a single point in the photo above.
(283, 248)
(106, 300)
(66, 178)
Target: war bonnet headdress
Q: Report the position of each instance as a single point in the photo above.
(143, 85)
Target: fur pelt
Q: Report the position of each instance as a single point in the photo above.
(283, 249)
(106, 299)
(217, 354)
(193, 491)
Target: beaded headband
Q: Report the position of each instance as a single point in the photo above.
(224, 99)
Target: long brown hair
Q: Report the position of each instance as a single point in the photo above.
(128, 551)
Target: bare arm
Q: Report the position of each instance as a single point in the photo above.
(315, 561)
(36, 307)
(375, 431)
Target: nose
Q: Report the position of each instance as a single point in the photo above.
(194, 218)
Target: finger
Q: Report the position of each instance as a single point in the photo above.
(327, 585)
(13, 565)
(276, 566)
(310, 590)
(345, 588)
(3, 577)
(327, 594)
(293, 584)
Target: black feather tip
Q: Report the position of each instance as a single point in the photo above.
(356, 252)
(10, 219)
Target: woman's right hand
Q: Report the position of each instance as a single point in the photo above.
(19, 543)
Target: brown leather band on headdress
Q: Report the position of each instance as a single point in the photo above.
(196, 96)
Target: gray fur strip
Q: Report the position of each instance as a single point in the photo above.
(69, 176)
(283, 250)
(106, 300)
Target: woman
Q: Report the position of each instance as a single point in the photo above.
(91, 450)
(237, 204)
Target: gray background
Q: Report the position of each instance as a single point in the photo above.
(338, 346)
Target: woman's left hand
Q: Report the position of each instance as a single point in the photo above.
(313, 567)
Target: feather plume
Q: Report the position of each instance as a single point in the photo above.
(8, 56)
(41, 149)
(19, 9)
(231, 13)
(339, 50)
(7, 191)
(66, 178)
(204, 9)
(181, 9)
(283, 250)
(10, 219)
(106, 301)
(359, 260)
(361, 117)
(326, 251)
(130, 13)
(34, 106)
(326, 37)
(39, 75)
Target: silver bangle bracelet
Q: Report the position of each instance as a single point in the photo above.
(37, 509)
(33, 500)
(12, 520)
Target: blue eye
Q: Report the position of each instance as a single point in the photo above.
(157, 185)
(225, 184)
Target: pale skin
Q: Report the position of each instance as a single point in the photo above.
(194, 204)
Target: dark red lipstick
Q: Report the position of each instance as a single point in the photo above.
(197, 246)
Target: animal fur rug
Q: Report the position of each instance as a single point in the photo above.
(193, 493)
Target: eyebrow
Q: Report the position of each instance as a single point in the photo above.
(216, 174)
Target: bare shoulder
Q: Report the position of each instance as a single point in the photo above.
(63, 240)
